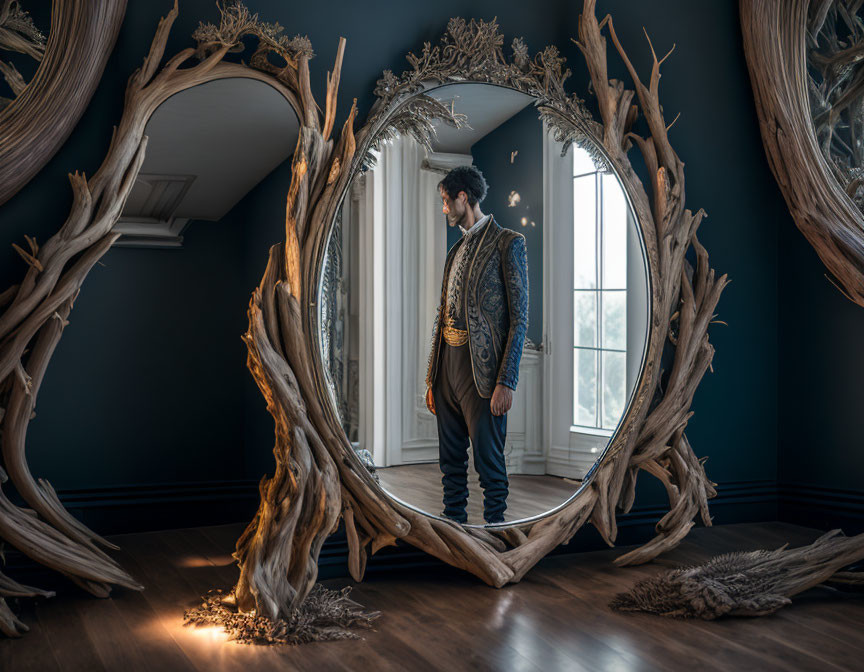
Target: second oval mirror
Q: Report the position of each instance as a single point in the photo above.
(522, 273)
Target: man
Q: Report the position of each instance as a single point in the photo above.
(476, 346)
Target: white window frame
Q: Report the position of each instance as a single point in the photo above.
(600, 293)
(571, 450)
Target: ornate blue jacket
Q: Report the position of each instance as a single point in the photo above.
(496, 306)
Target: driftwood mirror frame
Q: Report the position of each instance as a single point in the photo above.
(318, 479)
(43, 114)
(775, 36)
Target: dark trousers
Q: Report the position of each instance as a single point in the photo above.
(462, 415)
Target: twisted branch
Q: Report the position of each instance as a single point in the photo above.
(36, 310)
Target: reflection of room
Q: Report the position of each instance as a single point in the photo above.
(390, 242)
(207, 148)
(165, 379)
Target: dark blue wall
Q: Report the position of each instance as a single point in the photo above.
(523, 133)
(136, 378)
(821, 348)
(145, 385)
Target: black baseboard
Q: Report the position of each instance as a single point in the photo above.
(145, 508)
(821, 507)
(171, 506)
(162, 506)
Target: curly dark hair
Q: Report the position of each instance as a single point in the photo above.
(467, 179)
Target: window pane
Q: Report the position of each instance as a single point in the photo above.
(585, 319)
(614, 320)
(582, 162)
(614, 388)
(614, 234)
(585, 232)
(585, 387)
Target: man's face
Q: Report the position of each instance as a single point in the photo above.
(455, 208)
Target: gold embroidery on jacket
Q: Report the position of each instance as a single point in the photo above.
(452, 335)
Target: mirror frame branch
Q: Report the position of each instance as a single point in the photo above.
(40, 118)
(775, 38)
(318, 479)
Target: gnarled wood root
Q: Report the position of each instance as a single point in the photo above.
(300, 504)
(10, 624)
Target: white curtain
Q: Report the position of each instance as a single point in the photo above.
(403, 247)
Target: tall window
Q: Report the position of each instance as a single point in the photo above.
(599, 296)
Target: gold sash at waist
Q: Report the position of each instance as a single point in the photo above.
(454, 336)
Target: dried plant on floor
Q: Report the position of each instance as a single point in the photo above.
(324, 615)
(752, 583)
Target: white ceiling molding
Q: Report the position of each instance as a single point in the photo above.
(207, 148)
(487, 106)
(444, 163)
(148, 218)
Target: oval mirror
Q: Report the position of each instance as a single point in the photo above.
(548, 300)
(835, 39)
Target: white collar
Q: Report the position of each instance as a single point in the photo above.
(479, 224)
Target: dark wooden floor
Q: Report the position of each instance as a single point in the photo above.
(556, 619)
(529, 496)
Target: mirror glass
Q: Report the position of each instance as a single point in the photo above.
(545, 312)
(836, 75)
(208, 147)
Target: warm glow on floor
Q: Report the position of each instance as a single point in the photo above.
(201, 561)
(210, 642)
(210, 633)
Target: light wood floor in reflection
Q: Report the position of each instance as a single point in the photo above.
(420, 486)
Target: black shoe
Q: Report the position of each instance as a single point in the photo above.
(495, 521)
(461, 521)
